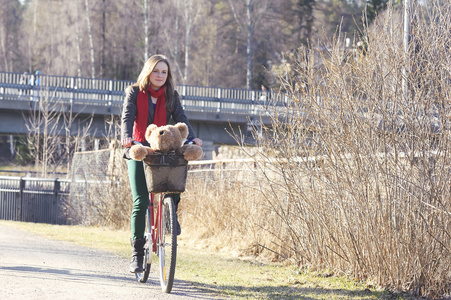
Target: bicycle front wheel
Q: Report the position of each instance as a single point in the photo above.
(147, 261)
(167, 246)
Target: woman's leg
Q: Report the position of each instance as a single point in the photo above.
(176, 198)
(138, 218)
(140, 197)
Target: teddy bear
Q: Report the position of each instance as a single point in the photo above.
(165, 139)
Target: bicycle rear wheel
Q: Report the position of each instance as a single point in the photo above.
(167, 246)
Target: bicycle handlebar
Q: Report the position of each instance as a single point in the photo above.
(186, 142)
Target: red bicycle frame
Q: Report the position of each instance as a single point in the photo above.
(155, 220)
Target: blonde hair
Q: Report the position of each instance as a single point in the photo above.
(143, 81)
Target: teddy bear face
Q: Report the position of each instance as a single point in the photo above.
(166, 138)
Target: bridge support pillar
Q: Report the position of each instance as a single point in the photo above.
(11, 145)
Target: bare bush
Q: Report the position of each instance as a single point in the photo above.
(364, 156)
(216, 205)
(354, 174)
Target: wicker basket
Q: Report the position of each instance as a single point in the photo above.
(165, 173)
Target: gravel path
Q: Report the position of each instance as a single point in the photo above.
(33, 267)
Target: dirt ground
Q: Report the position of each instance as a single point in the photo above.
(33, 267)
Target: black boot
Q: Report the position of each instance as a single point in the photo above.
(178, 229)
(136, 264)
(176, 198)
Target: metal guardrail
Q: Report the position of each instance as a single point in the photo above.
(36, 200)
(26, 172)
(109, 92)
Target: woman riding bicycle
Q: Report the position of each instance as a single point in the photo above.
(151, 100)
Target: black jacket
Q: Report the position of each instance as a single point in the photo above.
(129, 115)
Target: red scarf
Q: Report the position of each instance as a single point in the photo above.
(142, 112)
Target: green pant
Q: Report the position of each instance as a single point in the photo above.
(140, 197)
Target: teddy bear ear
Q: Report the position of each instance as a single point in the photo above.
(183, 129)
(149, 130)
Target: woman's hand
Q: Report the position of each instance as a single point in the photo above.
(198, 142)
(127, 142)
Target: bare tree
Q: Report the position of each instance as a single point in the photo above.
(42, 125)
(210, 54)
(91, 43)
(186, 16)
(191, 11)
(10, 19)
(247, 14)
(77, 43)
(146, 29)
(47, 122)
(172, 39)
(43, 128)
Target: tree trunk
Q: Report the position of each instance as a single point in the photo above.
(102, 59)
(190, 16)
(250, 35)
(247, 24)
(187, 48)
(146, 30)
(77, 46)
(91, 43)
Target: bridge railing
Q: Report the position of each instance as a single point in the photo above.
(109, 92)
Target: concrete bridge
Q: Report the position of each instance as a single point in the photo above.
(213, 112)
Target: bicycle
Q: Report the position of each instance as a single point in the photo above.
(165, 174)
